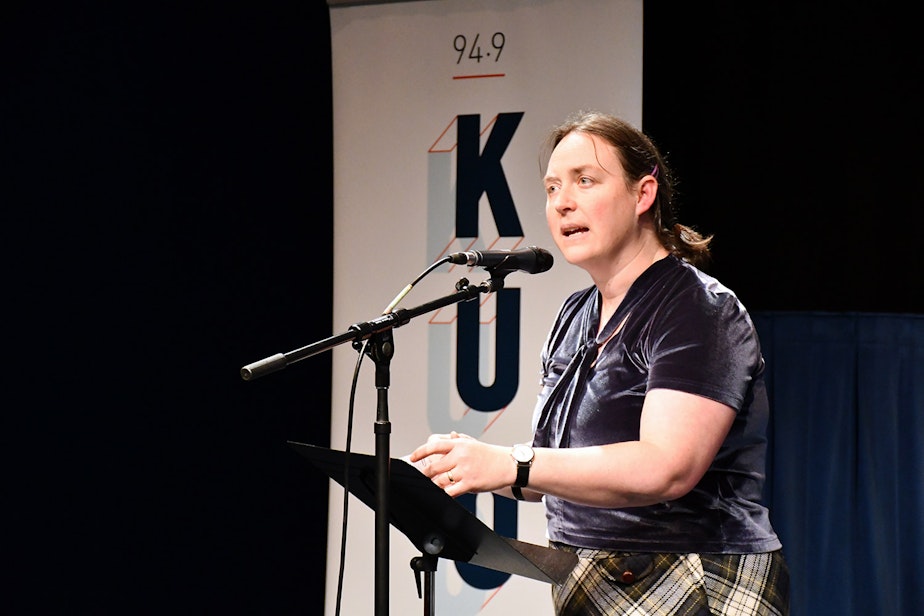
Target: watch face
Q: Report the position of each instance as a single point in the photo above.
(522, 453)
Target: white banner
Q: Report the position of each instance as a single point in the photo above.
(440, 107)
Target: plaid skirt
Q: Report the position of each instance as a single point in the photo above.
(608, 583)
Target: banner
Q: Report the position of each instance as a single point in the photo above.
(440, 108)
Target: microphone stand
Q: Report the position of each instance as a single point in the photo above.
(380, 350)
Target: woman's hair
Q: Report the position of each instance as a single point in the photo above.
(639, 157)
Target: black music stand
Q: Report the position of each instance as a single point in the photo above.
(436, 523)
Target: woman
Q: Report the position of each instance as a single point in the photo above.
(650, 430)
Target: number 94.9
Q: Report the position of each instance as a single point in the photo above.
(460, 44)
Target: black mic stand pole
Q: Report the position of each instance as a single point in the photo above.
(381, 350)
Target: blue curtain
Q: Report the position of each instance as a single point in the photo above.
(845, 475)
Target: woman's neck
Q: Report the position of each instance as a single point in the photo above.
(613, 289)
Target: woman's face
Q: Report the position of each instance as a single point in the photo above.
(591, 213)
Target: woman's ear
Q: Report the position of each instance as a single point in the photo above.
(645, 197)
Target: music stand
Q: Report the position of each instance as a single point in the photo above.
(436, 523)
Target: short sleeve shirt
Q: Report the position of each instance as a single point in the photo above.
(682, 330)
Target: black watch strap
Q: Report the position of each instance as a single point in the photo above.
(517, 492)
(522, 476)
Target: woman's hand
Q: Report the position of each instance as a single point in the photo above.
(460, 464)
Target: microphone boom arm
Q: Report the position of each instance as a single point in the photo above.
(361, 331)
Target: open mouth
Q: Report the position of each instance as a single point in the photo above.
(569, 231)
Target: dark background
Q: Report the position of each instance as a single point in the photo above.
(167, 188)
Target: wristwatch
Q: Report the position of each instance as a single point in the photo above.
(523, 455)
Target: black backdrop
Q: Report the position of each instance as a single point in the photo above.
(166, 168)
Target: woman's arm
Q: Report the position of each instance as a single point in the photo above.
(679, 437)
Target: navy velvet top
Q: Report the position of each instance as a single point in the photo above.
(683, 331)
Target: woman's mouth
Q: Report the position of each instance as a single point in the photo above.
(573, 230)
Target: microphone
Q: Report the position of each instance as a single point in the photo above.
(531, 260)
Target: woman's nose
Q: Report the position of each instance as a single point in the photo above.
(562, 201)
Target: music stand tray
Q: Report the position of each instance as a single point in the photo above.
(435, 522)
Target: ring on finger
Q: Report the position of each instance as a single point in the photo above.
(449, 475)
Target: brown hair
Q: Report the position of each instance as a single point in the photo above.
(639, 157)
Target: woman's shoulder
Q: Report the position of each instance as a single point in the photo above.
(687, 279)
